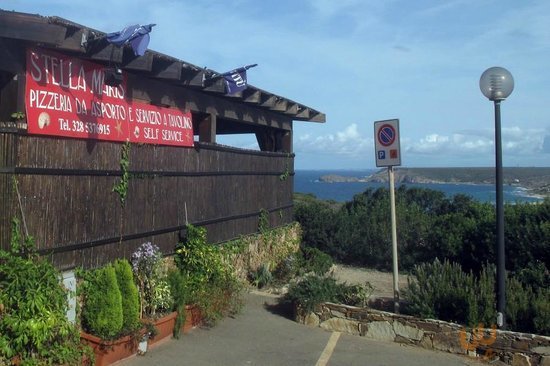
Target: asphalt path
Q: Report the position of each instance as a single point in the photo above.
(262, 335)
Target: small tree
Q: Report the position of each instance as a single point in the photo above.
(130, 295)
(102, 311)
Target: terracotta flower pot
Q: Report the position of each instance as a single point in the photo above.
(193, 318)
(108, 352)
(165, 327)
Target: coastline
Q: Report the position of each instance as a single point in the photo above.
(307, 181)
(531, 182)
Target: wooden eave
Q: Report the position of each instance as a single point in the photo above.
(63, 35)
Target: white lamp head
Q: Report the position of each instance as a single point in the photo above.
(496, 83)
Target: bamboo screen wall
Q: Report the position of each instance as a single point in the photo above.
(63, 193)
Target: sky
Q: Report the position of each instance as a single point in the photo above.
(361, 61)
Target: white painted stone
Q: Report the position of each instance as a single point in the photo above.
(407, 331)
(382, 331)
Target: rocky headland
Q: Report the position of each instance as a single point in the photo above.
(535, 180)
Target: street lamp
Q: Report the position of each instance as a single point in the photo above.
(496, 83)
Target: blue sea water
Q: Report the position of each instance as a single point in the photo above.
(307, 181)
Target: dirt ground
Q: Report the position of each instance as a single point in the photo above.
(381, 281)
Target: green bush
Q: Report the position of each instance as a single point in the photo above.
(313, 290)
(211, 282)
(431, 226)
(443, 291)
(541, 310)
(261, 277)
(130, 295)
(33, 304)
(220, 298)
(314, 260)
(519, 300)
(288, 268)
(102, 309)
(197, 260)
(179, 290)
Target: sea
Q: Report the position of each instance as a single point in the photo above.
(307, 181)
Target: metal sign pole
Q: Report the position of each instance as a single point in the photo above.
(388, 154)
(394, 241)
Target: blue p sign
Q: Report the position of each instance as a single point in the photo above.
(381, 154)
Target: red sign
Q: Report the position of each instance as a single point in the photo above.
(68, 97)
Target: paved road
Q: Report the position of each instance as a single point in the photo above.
(261, 336)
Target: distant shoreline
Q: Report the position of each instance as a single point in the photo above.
(535, 181)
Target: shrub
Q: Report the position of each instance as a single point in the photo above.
(519, 308)
(313, 290)
(316, 261)
(355, 295)
(130, 295)
(262, 276)
(288, 268)
(102, 310)
(179, 291)
(220, 298)
(197, 260)
(33, 304)
(443, 291)
(211, 283)
(535, 274)
(541, 310)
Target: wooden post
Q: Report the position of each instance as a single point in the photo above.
(287, 142)
(207, 129)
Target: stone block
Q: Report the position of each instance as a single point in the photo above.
(521, 346)
(381, 330)
(427, 326)
(427, 342)
(519, 359)
(407, 331)
(337, 314)
(545, 361)
(448, 342)
(311, 319)
(542, 350)
(341, 325)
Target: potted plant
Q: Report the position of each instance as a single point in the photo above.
(110, 317)
(155, 299)
(212, 287)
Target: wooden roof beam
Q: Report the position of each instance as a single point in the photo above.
(252, 96)
(280, 105)
(138, 63)
(317, 117)
(166, 68)
(292, 109)
(303, 113)
(268, 100)
(30, 28)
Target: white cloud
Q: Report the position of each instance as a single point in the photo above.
(515, 140)
(349, 142)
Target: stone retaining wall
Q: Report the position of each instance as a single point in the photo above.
(510, 347)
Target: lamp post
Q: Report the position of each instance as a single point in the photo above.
(496, 83)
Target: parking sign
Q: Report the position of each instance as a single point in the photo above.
(386, 143)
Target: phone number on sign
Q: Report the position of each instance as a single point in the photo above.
(91, 128)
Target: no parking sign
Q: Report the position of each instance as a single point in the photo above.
(386, 143)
